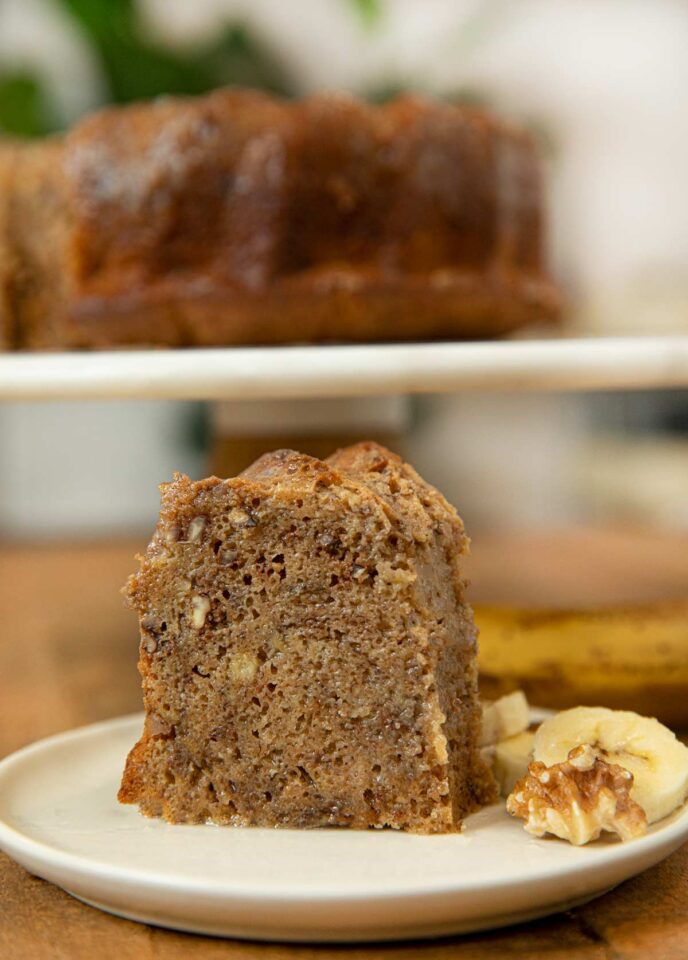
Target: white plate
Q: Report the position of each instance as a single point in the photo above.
(261, 373)
(59, 818)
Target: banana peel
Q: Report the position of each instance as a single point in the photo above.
(626, 658)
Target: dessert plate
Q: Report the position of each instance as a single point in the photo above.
(278, 373)
(59, 818)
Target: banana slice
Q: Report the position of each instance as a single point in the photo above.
(657, 760)
(511, 759)
(504, 718)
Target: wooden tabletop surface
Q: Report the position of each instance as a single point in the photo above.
(68, 655)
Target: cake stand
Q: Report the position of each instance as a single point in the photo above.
(257, 373)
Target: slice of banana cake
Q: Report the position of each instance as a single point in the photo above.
(307, 655)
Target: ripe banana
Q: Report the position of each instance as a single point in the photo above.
(504, 718)
(510, 760)
(657, 760)
(625, 658)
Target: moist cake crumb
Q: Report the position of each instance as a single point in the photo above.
(307, 655)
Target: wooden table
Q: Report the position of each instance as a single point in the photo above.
(67, 657)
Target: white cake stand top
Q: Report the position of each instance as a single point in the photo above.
(339, 371)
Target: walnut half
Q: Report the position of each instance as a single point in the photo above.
(577, 799)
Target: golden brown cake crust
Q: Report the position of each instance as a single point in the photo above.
(237, 218)
(307, 655)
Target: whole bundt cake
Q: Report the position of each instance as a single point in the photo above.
(238, 218)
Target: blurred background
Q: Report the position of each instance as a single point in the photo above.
(603, 85)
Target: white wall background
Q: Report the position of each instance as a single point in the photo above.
(73, 469)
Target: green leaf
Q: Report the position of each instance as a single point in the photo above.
(22, 107)
(237, 59)
(138, 68)
(369, 10)
(103, 19)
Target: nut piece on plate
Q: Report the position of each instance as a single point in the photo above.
(648, 749)
(578, 799)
